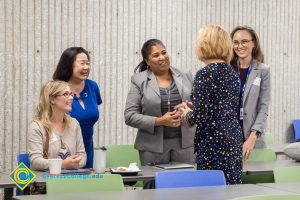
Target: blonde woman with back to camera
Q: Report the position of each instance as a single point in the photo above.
(53, 133)
(218, 138)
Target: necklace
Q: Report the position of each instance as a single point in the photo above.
(168, 102)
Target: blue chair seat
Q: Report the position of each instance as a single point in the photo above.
(189, 178)
(296, 125)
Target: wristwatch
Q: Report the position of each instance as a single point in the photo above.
(257, 133)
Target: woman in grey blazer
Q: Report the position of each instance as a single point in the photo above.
(255, 87)
(155, 90)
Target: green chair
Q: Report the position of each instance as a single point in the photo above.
(287, 174)
(123, 155)
(72, 183)
(270, 197)
(269, 138)
(260, 155)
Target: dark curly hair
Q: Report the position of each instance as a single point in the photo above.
(146, 50)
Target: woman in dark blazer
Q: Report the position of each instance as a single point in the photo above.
(255, 87)
(155, 90)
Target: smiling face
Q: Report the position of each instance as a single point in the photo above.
(158, 59)
(81, 67)
(63, 101)
(243, 44)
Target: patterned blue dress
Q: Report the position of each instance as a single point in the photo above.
(218, 139)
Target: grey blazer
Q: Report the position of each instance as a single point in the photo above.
(143, 105)
(256, 101)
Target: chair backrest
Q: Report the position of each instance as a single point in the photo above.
(121, 155)
(189, 178)
(260, 155)
(296, 125)
(24, 157)
(269, 138)
(287, 174)
(270, 197)
(84, 183)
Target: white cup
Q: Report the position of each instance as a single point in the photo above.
(55, 166)
(99, 160)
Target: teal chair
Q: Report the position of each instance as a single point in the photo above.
(287, 174)
(123, 155)
(270, 197)
(260, 155)
(84, 183)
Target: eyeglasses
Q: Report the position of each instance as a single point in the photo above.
(244, 43)
(66, 94)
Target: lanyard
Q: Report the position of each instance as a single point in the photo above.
(248, 74)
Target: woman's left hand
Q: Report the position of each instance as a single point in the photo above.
(248, 145)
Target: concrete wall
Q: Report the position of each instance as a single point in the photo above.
(33, 34)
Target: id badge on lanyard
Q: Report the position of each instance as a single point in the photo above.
(243, 90)
(241, 113)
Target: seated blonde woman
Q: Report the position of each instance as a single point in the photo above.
(53, 133)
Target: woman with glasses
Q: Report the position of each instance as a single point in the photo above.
(218, 138)
(53, 133)
(74, 68)
(255, 87)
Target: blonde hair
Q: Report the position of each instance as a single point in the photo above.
(214, 43)
(43, 112)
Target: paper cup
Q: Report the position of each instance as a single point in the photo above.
(55, 166)
(99, 161)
